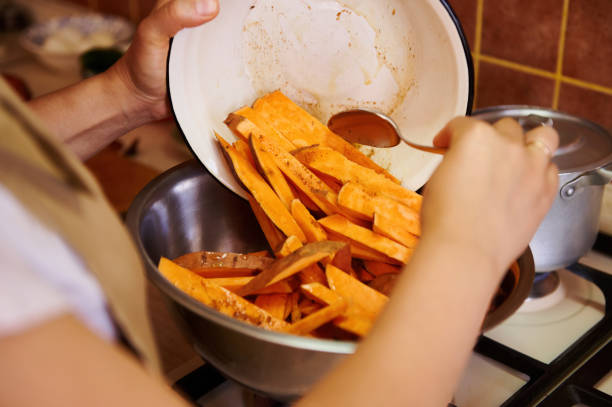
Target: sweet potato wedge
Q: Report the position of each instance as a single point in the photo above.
(378, 268)
(307, 306)
(384, 284)
(316, 319)
(393, 228)
(322, 195)
(354, 291)
(263, 193)
(223, 260)
(274, 236)
(356, 201)
(341, 225)
(330, 162)
(275, 304)
(291, 264)
(247, 121)
(353, 319)
(218, 297)
(243, 148)
(291, 244)
(223, 272)
(273, 175)
(312, 273)
(282, 113)
(360, 251)
(309, 225)
(235, 283)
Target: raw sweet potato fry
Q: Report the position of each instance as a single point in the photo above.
(322, 195)
(263, 193)
(296, 313)
(363, 274)
(330, 162)
(354, 199)
(307, 306)
(393, 229)
(274, 176)
(282, 113)
(274, 236)
(378, 268)
(354, 319)
(360, 251)
(246, 121)
(223, 272)
(234, 283)
(259, 253)
(316, 319)
(291, 264)
(275, 304)
(290, 245)
(384, 283)
(312, 273)
(354, 291)
(218, 297)
(243, 148)
(311, 228)
(341, 225)
(223, 260)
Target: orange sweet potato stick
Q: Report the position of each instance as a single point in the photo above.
(308, 324)
(341, 225)
(218, 297)
(263, 193)
(291, 264)
(282, 113)
(334, 164)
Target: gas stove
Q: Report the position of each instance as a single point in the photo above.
(554, 351)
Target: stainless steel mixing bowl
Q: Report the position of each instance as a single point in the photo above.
(185, 210)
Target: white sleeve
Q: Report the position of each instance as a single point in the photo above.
(41, 277)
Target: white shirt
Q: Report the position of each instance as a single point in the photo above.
(41, 277)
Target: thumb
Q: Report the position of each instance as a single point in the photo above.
(172, 16)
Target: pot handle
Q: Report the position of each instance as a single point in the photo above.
(600, 176)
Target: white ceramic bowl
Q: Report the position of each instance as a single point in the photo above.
(406, 58)
(59, 42)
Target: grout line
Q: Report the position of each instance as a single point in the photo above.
(518, 67)
(477, 46)
(560, 54)
(587, 85)
(546, 74)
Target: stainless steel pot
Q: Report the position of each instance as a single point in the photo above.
(584, 159)
(186, 209)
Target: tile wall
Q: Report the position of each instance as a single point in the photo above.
(551, 53)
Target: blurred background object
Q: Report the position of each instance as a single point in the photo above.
(59, 43)
(14, 16)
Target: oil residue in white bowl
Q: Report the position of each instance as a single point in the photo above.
(327, 56)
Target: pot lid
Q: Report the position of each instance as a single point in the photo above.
(583, 145)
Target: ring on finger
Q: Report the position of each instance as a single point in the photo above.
(540, 145)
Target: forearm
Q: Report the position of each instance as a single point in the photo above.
(419, 346)
(61, 363)
(91, 114)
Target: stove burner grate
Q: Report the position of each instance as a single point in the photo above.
(570, 378)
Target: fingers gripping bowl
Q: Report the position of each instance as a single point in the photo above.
(186, 210)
